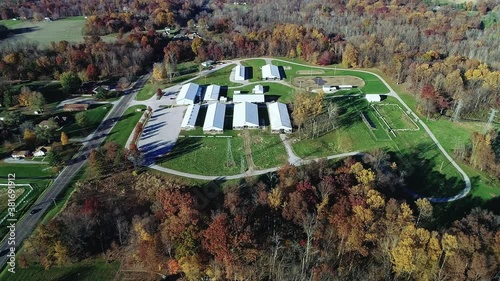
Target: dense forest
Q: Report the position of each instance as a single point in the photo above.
(322, 221)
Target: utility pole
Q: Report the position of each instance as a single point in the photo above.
(490, 120)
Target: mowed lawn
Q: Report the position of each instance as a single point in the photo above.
(395, 117)
(24, 170)
(373, 85)
(205, 156)
(124, 127)
(255, 68)
(273, 91)
(81, 271)
(267, 150)
(95, 115)
(69, 29)
(219, 77)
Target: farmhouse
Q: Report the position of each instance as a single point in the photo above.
(239, 73)
(188, 94)
(270, 71)
(258, 89)
(246, 116)
(279, 118)
(189, 120)
(214, 120)
(373, 98)
(212, 93)
(76, 107)
(20, 154)
(248, 98)
(42, 151)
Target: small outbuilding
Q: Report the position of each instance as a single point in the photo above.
(279, 118)
(207, 63)
(42, 151)
(190, 116)
(373, 98)
(344, 87)
(212, 93)
(21, 154)
(258, 89)
(214, 120)
(270, 71)
(188, 94)
(246, 116)
(239, 73)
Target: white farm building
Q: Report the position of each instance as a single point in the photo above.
(279, 118)
(248, 98)
(212, 93)
(188, 94)
(246, 116)
(373, 98)
(258, 89)
(189, 120)
(270, 71)
(214, 120)
(239, 73)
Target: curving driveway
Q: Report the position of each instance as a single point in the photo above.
(295, 160)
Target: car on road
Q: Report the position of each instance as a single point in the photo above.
(34, 211)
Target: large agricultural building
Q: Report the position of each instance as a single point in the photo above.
(279, 118)
(214, 120)
(188, 94)
(189, 120)
(257, 98)
(212, 93)
(270, 71)
(246, 116)
(239, 73)
(373, 98)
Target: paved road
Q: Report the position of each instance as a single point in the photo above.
(27, 224)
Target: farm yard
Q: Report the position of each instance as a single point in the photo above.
(316, 82)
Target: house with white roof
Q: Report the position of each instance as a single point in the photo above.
(246, 116)
(189, 120)
(214, 120)
(256, 98)
(279, 118)
(212, 93)
(239, 73)
(258, 89)
(188, 94)
(270, 71)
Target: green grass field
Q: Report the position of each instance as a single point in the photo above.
(395, 116)
(124, 127)
(219, 77)
(275, 91)
(4, 196)
(95, 115)
(373, 85)
(204, 156)
(267, 150)
(95, 270)
(69, 29)
(255, 64)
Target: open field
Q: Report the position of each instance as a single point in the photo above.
(219, 77)
(430, 172)
(124, 127)
(95, 115)
(267, 149)
(373, 85)
(205, 155)
(69, 29)
(395, 117)
(81, 271)
(316, 82)
(4, 196)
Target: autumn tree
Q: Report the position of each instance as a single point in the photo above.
(29, 137)
(64, 138)
(81, 119)
(70, 82)
(350, 56)
(159, 71)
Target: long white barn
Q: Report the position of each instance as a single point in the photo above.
(212, 93)
(279, 118)
(214, 120)
(239, 73)
(270, 71)
(188, 94)
(189, 120)
(246, 116)
(248, 98)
